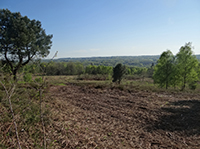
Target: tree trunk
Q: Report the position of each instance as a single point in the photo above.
(183, 87)
(167, 84)
(184, 82)
(119, 81)
(15, 74)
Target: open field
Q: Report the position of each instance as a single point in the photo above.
(81, 114)
(96, 116)
(99, 86)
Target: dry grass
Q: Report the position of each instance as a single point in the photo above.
(100, 114)
(92, 116)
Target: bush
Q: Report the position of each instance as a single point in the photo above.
(38, 80)
(193, 85)
(27, 77)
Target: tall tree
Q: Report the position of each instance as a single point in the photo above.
(79, 68)
(71, 68)
(163, 70)
(21, 39)
(118, 72)
(187, 64)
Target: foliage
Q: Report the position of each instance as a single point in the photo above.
(75, 68)
(193, 85)
(187, 65)
(175, 79)
(136, 70)
(21, 39)
(62, 68)
(131, 61)
(118, 72)
(181, 70)
(92, 69)
(164, 69)
(38, 80)
(27, 77)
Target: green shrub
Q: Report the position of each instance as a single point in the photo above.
(193, 85)
(27, 77)
(38, 80)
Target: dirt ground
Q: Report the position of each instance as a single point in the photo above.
(95, 117)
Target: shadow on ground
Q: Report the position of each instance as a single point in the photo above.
(181, 116)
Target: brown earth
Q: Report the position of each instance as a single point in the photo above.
(96, 117)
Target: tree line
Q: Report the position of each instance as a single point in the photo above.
(76, 68)
(22, 40)
(131, 61)
(135, 61)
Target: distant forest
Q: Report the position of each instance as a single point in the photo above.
(131, 61)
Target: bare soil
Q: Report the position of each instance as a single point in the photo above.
(96, 117)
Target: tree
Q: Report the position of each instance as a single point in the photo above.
(164, 69)
(175, 77)
(71, 68)
(79, 68)
(187, 64)
(118, 72)
(21, 39)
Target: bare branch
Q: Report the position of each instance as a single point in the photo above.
(9, 95)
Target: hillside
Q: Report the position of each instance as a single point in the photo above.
(140, 61)
(99, 114)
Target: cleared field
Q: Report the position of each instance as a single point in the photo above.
(92, 116)
(82, 114)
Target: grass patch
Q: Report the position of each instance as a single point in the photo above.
(55, 80)
(61, 84)
(94, 77)
(131, 83)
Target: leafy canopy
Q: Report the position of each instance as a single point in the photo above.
(21, 39)
(163, 70)
(187, 64)
(179, 70)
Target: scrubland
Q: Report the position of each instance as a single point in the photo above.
(101, 114)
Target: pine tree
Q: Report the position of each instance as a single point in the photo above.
(21, 39)
(118, 72)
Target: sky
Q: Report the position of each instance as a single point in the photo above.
(93, 28)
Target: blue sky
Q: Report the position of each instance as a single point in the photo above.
(86, 28)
